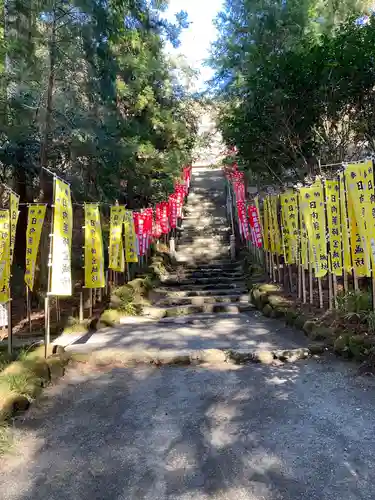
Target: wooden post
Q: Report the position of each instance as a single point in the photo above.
(90, 301)
(28, 308)
(304, 291)
(10, 327)
(81, 315)
(330, 291)
(311, 284)
(334, 277)
(320, 289)
(299, 278)
(278, 268)
(355, 279)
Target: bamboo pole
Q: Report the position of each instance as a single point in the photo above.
(28, 308)
(334, 277)
(320, 290)
(304, 290)
(330, 291)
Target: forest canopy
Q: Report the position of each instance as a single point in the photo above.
(89, 91)
(295, 83)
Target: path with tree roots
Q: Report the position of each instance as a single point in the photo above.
(258, 431)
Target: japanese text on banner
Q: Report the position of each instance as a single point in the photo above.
(312, 206)
(94, 256)
(254, 220)
(289, 215)
(130, 238)
(334, 226)
(35, 220)
(359, 190)
(274, 225)
(14, 213)
(266, 225)
(347, 262)
(4, 255)
(116, 247)
(61, 276)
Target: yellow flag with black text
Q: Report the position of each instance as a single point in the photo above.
(312, 207)
(332, 191)
(289, 217)
(94, 256)
(345, 226)
(116, 247)
(35, 220)
(358, 183)
(4, 255)
(61, 273)
(14, 213)
(130, 238)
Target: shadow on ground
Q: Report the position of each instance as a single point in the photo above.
(304, 431)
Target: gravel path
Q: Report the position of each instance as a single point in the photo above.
(295, 432)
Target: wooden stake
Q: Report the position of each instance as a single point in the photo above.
(304, 290)
(311, 298)
(355, 278)
(320, 289)
(28, 308)
(346, 281)
(334, 277)
(10, 327)
(81, 315)
(330, 291)
(299, 278)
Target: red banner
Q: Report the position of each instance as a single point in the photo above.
(162, 216)
(173, 211)
(244, 226)
(255, 225)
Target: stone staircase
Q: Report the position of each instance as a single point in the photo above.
(205, 280)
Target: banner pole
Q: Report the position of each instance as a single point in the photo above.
(81, 315)
(47, 336)
(330, 290)
(28, 308)
(10, 327)
(304, 290)
(90, 302)
(320, 289)
(334, 277)
(310, 275)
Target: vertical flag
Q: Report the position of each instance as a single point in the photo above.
(130, 238)
(4, 255)
(116, 247)
(359, 207)
(35, 220)
(289, 215)
(94, 256)
(344, 226)
(14, 213)
(255, 225)
(274, 225)
(61, 278)
(312, 206)
(334, 226)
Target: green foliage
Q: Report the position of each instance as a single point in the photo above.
(295, 80)
(88, 91)
(355, 305)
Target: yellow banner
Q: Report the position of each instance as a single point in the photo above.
(347, 260)
(116, 247)
(130, 238)
(256, 202)
(35, 222)
(312, 206)
(14, 213)
(4, 255)
(274, 225)
(289, 216)
(360, 214)
(94, 255)
(61, 276)
(266, 225)
(334, 226)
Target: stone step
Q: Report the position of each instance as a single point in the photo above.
(224, 265)
(219, 286)
(177, 311)
(222, 292)
(211, 273)
(205, 299)
(210, 280)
